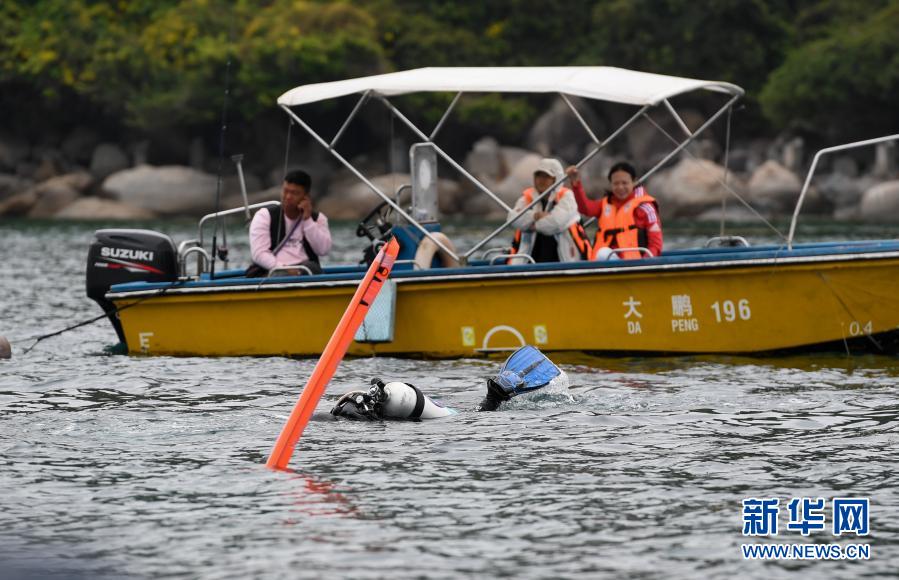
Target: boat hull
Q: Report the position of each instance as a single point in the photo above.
(727, 306)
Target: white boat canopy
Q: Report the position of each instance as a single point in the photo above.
(593, 82)
(645, 90)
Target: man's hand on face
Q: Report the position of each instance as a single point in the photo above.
(305, 207)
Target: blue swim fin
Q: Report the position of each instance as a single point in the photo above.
(527, 369)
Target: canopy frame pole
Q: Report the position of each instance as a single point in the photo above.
(349, 118)
(540, 197)
(444, 155)
(677, 118)
(811, 172)
(367, 182)
(446, 115)
(579, 118)
(688, 140)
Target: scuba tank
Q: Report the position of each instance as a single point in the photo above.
(394, 400)
(526, 370)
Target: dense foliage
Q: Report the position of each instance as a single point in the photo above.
(844, 84)
(827, 67)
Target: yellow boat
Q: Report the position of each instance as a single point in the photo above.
(727, 299)
(716, 301)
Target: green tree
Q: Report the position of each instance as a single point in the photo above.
(730, 40)
(842, 86)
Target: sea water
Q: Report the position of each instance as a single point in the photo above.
(133, 467)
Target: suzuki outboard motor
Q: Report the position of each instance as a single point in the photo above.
(525, 371)
(389, 401)
(119, 256)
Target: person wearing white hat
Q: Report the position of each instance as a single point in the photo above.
(550, 231)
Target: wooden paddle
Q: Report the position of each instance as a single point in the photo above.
(332, 355)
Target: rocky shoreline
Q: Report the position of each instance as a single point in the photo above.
(81, 178)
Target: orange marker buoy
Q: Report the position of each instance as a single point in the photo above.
(332, 355)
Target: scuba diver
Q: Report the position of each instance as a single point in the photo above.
(525, 371)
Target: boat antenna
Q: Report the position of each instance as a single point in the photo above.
(222, 252)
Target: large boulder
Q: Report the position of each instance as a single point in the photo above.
(12, 184)
(692, 187)
(166, 190)
(646, 145)
(843, 191)
(774, 187)
(733, 212)
(481, 206)
(58, 192)
(107, 159)
(594, 173)
(509, 158)
(233, 196)
(94, 208)
(881, 203)
(484, 161)
(558, 133)
(353, 199)
(521, 176)
(19, 204)
(490, 163)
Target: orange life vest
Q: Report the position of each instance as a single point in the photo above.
(617, 228)
(576, 230)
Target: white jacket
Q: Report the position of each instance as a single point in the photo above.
(562, 215)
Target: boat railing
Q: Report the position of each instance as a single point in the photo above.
(509, 257)
(289, 269)
(490, 251)
(642, 250)
(203, 258)
(727, 241)
(186, 244)
(227, 212)
(811, 172)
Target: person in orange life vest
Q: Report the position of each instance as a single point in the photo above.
(550, 231)
(628, 217)
(291, 234)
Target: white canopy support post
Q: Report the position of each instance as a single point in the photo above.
(689, 140)
(366, 181)
(677, 118)
(579, 117)
(445, 115)
(540, 197)
(349, 118)
(446, 156)
(811, 172)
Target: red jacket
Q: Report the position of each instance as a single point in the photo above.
(645, 216)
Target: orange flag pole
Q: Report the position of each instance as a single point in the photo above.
(332, 355)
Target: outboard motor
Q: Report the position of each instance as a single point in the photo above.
(118, 256)
(393, 400)
(526, 370)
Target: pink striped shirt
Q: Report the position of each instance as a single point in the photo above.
(316, 232)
